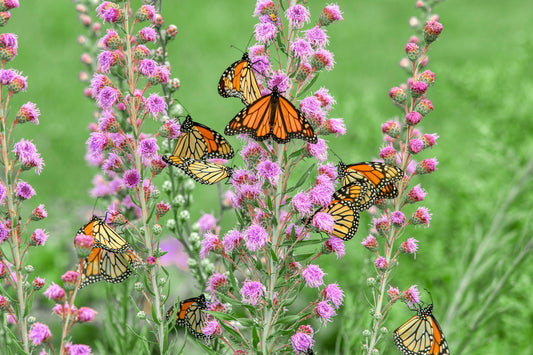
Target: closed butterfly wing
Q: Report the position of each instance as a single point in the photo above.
(238, 80)
(382, 176)
(104, 237)
(346, 216)
(192, 316)
(112, 267)
(201, 171)
(421, 335)
(201, 142)
(272, 116)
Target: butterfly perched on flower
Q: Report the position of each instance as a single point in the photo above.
(201, 171)
(105, 265)
(197, 141)
(112, 259)
(345, 206)
(272, 116)
(191, 315)
(104, 236)
(382, 176)
(421, 335)
(238, 80)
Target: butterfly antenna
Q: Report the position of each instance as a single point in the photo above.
(94, 206)
(182, 106)
(331, 150)
(430, 296)
(237, 48)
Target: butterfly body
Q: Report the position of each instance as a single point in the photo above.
(421, 335)
(201, 142)
(272, 116)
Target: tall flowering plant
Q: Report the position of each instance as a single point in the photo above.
(124, 86)
(404, 143)
(266, 257)
(18, 159)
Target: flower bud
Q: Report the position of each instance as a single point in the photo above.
(83, 245)
(38, 283)
(424, 106)
(397, 95)
(432, 30)
(412, 51)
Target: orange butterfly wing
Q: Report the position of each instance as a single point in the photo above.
(238, 80)
(382, 176)
(272, 116)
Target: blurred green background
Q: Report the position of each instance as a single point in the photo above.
(483, 99)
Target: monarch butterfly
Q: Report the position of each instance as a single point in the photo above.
(238, 80)
(202, 171)
(200, 142)
(382, 176)
(191, 315)
(111, 267)
(421, 334)
(104, 237)
(361, 192)
(272, 116)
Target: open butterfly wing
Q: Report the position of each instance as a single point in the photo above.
(272, 116)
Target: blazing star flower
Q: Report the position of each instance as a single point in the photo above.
(170, 129)
(18, 84)
(324, 311)
(111, 40)
(109, 12)
(207, 222)
(321, 194)
(252, 292)
(388, 154)
(330, 14)
(78, 349)
(28, 113)
(319, 150)
(7, 75)
(269, 170)
(370, 242)
(83, 245)
(334, 294)
(232, 239)
(298, 16)
(424, 106)
(313, 276)
(147, 34)
(381, 263)
(39, 333)
(411, 296)
(145, 13)
(393, 292)
(24, 190)
(301, 202)
(427, 166)
(427, 76)
(335, 245)
(397, 218)
(301, 342)
(38, 237)
(279, 79)
(255, 237)
(85, 314)
(432, 30)
(106, 60)
(38, 283)
(416, 194)
(429, 140)
(410, 246)
(141, 52)
(212, 327)
(155, 105)
(317, 37)
(160, 75)
(217, 282)
(302, 48)
(263, 7)
(413, 118)
(211, 242)
(312, 108)
(4, 232)
(107, 97)
(148, 148)
(324, 222)
(131, 178)
(147, 67)
(265, 32)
